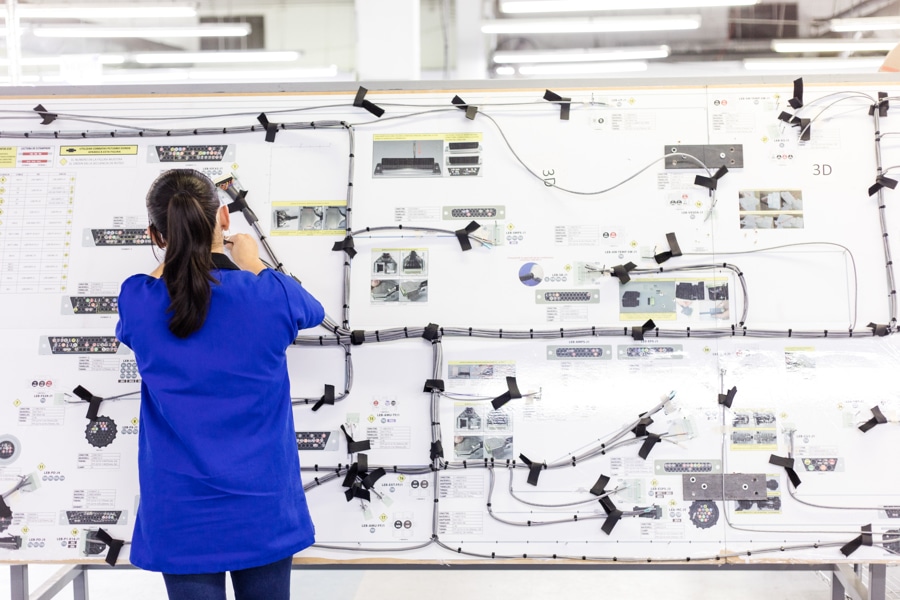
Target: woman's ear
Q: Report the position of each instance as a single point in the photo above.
(224, 218)
(155, 237)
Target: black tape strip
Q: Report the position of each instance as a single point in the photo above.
(92, 400)
(637, 333)
(350, 477)
(879, 330)
(786, 117)
(357, 337)
(359, 492)
(434, 385)
(431, 332)
(727, 399)
(463, 235)
(647, 446)
(882, 182)
(608, 505)
(511, 394)
(46, 117)
(805, 130)
(534, 469)
(788, 464)
(461, 104)
(673, 244)
(345, 245)
(711, 182)
(327, 398)
(352, 445)
(863, 540)
(600, 487)
(437, 450)
(883, 104)
(370, 479)
(878, 418)
(797, 101)
(564, 106)
(361, 102)
(348, 494)
(363, 461)
(621, 271)
(610, 523)
(640, 430)
(271, 128)
(5, 510)
(114, 545)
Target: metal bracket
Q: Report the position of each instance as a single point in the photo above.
(730, 486)
(712, 155)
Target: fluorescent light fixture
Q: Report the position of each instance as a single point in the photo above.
(553, 6)
(591, 25)
(243, 56)
(37, 61)
(93, 31)
(865, 24)
(505, 70)
(800, 65)
(72, 11)
(230, 75)
(631, 66)
(582, 55)
(833, 45)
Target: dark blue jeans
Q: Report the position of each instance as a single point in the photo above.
(268, 582)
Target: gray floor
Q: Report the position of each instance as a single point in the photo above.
(449, 582)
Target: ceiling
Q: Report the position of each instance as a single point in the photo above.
(306, 40)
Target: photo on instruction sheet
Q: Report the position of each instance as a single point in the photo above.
(399, 275)
(771, 209)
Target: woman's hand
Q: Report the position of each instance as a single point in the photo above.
(245, 252)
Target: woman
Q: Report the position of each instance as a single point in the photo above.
(217, 456)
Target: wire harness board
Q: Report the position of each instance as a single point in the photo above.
(541, 342)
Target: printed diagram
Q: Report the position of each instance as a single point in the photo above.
(480, 432)
(674, 299)
(305, 218)
(767, 209)
(399, 275)
(426, 155)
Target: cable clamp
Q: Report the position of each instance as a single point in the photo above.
(564, 104)
(879, 330)
(637, 333)
(621, 271)
(863, 540)
(46, 117)
(434, 385)
(271, 128)
(463, 235)
(882, 182)
(327, 398)
(878, 418)
(92, 400)
(674, 249)
(512, 393)
(461, 104)
(360, 101)
(788, 464)
(727, 399)
(345, 245)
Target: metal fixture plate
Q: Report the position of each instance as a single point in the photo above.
(736, 486)
(712, 155)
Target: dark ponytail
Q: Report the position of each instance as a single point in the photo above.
(182, 205)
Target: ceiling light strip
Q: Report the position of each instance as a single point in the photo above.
(558, 6)
(599, 25)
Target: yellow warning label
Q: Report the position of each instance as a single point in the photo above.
(7, 157)
(97, 150)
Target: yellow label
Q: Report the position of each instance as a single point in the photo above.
(8, 157)
(447, 137)
(97, 150)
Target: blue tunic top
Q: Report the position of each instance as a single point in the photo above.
(217, 453)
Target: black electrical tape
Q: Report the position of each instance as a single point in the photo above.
(608, 505)
(431, 332)
(348, 494)
(463, 235)
(327, 398)
(434, 385)
(271, 128)
(370, 479)
(46, 117)
(114, 545)
(652, 440)
(350, 477)
(883, 104)
(788, 464)
(345, 245)
(805, 130)
(640, 430)
(437, 450)
(471, 111)
(352, 445)
(240, 204)
(711, 182)
(879, 330)
(797, 101)
(512, 394)
(358, 337)
(863, 540)
(878, 418)
(727, 399)
(621, 271)
(92, 400)
(360, 101)
(362, 461)
(600, 487)
(637, 333)
(564, 106)
(534, 469)
(674, 250)
(786, 117)
(882, 182)
(610, 523)
(5, 510)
